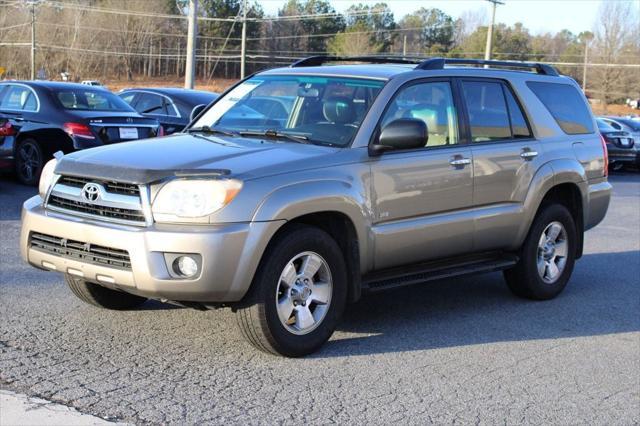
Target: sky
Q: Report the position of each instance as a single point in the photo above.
(539, 16)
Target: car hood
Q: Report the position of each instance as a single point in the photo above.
(149, 160)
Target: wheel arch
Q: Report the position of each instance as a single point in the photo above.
(50, 140)
(563, 182)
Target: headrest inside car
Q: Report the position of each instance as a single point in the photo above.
(338, 110)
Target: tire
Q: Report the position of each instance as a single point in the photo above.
(29, 160)
(534, 276)
(102, 297)
(279, 287)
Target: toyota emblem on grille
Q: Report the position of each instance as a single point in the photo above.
(91, 192)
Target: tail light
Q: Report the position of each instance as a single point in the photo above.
(606, 155)
(78, 130)
(160, 131)
(7, 129)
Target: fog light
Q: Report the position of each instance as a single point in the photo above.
(185, 266)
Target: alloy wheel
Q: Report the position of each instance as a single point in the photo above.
(30, 160)
(552, 252)
(304, 293)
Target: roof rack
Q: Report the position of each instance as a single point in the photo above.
(314, 61)
(439, 63)
(425, 64)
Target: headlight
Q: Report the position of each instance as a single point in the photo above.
(192, 198)
(46, 177)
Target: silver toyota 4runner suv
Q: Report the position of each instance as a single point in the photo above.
(300, 188)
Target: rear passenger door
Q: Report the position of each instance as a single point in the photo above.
(422, 197)
(505, 159)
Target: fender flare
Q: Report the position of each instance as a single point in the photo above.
(548, 176)
(289, 202)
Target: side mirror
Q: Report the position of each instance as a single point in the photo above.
(404, 133)
(196, 111)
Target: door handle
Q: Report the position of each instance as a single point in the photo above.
(459, 161)
(529, 154)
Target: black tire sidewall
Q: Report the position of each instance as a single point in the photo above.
(538, 288)
(36, 176)
(295, 242)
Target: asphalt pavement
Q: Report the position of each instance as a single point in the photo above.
(457, 351)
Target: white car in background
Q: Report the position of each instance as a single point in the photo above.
(91, 83)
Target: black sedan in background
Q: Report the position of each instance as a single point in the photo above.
(45, 117)
(619, 145)
(170, 106)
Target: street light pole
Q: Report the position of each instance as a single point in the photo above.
(192, 29)
(487, 52)
(243, 47)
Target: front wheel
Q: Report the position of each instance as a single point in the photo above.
(298, 294)
(547, 256)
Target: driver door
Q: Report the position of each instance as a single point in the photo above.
(421, 196)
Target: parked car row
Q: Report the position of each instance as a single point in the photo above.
(39, 118)
(622, 138)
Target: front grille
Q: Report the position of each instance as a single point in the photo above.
(110, 186)
(102, 212)
(85, 252)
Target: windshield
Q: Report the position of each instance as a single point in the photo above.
(91, 100)
(322, 110)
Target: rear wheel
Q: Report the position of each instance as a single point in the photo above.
(102, 297)
(29, 160)
(547, 256)
(298, 294)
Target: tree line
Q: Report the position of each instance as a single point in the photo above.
(124, 39)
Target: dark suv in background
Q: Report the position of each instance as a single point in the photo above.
(46, 117)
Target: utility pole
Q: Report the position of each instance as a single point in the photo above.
(243, 47)
(189, 75)
(404, 46)
(487, 52)
(586, 37)
(33, 40)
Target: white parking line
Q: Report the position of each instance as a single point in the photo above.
(18, 410)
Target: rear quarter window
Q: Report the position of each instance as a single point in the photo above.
(566, 105)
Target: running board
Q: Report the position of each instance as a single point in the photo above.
(436, 270)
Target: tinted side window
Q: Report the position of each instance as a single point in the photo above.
(19, 98)
(128, 97)
(488, 114)
(566, 106)
(150, 104)
(171, 108)
(431, 103)
(519, 126)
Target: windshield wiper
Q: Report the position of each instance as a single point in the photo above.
(271, 133)
(211, 131)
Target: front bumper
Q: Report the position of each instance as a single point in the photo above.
(230, 254)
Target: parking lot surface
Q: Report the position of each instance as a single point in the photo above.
(457, 351)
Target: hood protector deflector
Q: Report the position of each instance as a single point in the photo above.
(136, 176)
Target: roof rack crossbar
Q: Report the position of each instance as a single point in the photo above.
(439, 63)
(314, 61)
